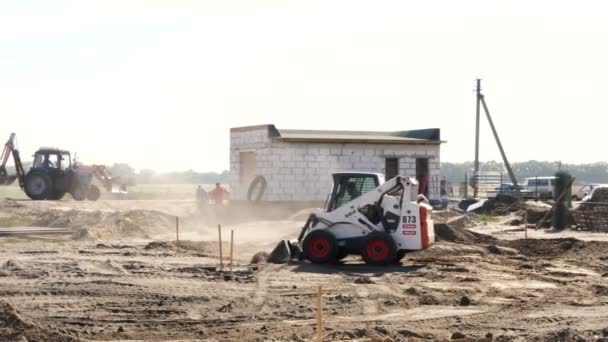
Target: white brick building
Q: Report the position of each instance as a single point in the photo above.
(297, 164)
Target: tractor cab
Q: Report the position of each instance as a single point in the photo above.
(51, 175)
(350, 185)
(52, 159)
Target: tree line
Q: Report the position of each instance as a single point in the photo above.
(130, 177)
(584, 173)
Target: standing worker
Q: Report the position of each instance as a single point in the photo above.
(201, 197)
(198, 193)
(217, 194)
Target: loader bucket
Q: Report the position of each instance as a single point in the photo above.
(284, 252)
(118, 189)
(7, 180)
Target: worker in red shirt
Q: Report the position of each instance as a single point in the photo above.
(217, 194)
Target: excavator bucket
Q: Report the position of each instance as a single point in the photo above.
(285, 252)
(118, 189)
(7, 180)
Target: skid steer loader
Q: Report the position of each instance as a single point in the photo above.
(364, 216)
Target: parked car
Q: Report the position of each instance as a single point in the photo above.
(503, 188)
(541, 187)
(586, 190)
(598, 194)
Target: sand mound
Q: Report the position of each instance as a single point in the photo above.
(445, 232)
(595, 250)
(21, 269)
(199, 247)
(544, 247)
(13, 265)
(107, 267)
(13, 327)
(108, 225)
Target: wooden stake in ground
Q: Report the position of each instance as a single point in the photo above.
(319, 314)
(231, 247)
(177, 229)
(526, 225)
(219, 233)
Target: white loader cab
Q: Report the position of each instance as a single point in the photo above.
(381, 221)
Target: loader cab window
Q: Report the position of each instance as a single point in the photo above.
(347, 188)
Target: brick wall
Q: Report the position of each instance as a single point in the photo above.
(302, 171)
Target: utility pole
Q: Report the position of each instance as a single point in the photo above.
(476, 170)
(502, 150)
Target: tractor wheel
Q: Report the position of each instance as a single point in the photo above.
(93, 194)
(320, 247)
(379, 249)
(38, 185)
(78, 193)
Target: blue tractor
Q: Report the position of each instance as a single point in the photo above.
(51, 176)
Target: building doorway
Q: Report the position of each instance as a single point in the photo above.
(422, 175)
(247, 167)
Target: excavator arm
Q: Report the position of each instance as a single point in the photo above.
(5, 178)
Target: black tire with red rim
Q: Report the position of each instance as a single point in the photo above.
(379, 249)
(320, 247)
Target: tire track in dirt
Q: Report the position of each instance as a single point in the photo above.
(370, 307)
(419, 314)
(260, 293)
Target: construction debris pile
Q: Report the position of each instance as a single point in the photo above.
(593, 214)
(501, 204)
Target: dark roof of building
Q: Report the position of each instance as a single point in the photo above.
(421, 136)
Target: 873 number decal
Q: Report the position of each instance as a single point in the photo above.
(409, 219)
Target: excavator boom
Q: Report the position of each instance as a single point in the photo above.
(9, 148)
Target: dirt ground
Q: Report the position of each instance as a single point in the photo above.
(121, 276)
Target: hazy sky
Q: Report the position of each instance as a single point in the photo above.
(158, 84)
